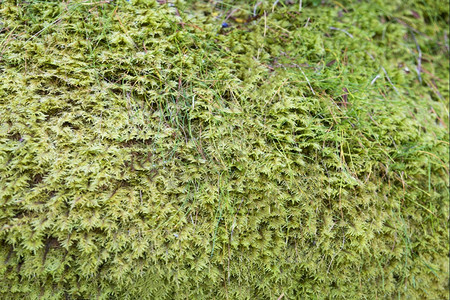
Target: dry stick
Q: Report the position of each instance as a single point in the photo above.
(300, 5)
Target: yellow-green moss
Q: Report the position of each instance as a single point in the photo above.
(148, 153)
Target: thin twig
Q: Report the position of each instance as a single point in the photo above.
(446, 40)
(413, 29)
(265, 23)
(342, 247)
(307, 80)
(43, 29)
(231, 13)
(375, 79)
(389, 79)
(234, 220)
(274, 4)
(95, 3)
(307, 22)
(387, 76)
(3, 46)
(344, 31)
(419, 59)
(255, 7)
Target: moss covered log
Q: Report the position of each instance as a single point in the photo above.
(224, 149)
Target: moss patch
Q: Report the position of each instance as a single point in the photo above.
(233, 149)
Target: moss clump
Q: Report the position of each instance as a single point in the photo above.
(148, 153)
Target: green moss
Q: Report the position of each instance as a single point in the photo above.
(148, 153)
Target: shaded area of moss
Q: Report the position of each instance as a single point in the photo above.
(149, 152)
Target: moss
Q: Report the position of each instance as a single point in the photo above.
(148, 152)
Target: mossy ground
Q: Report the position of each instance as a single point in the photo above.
(148, 152)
